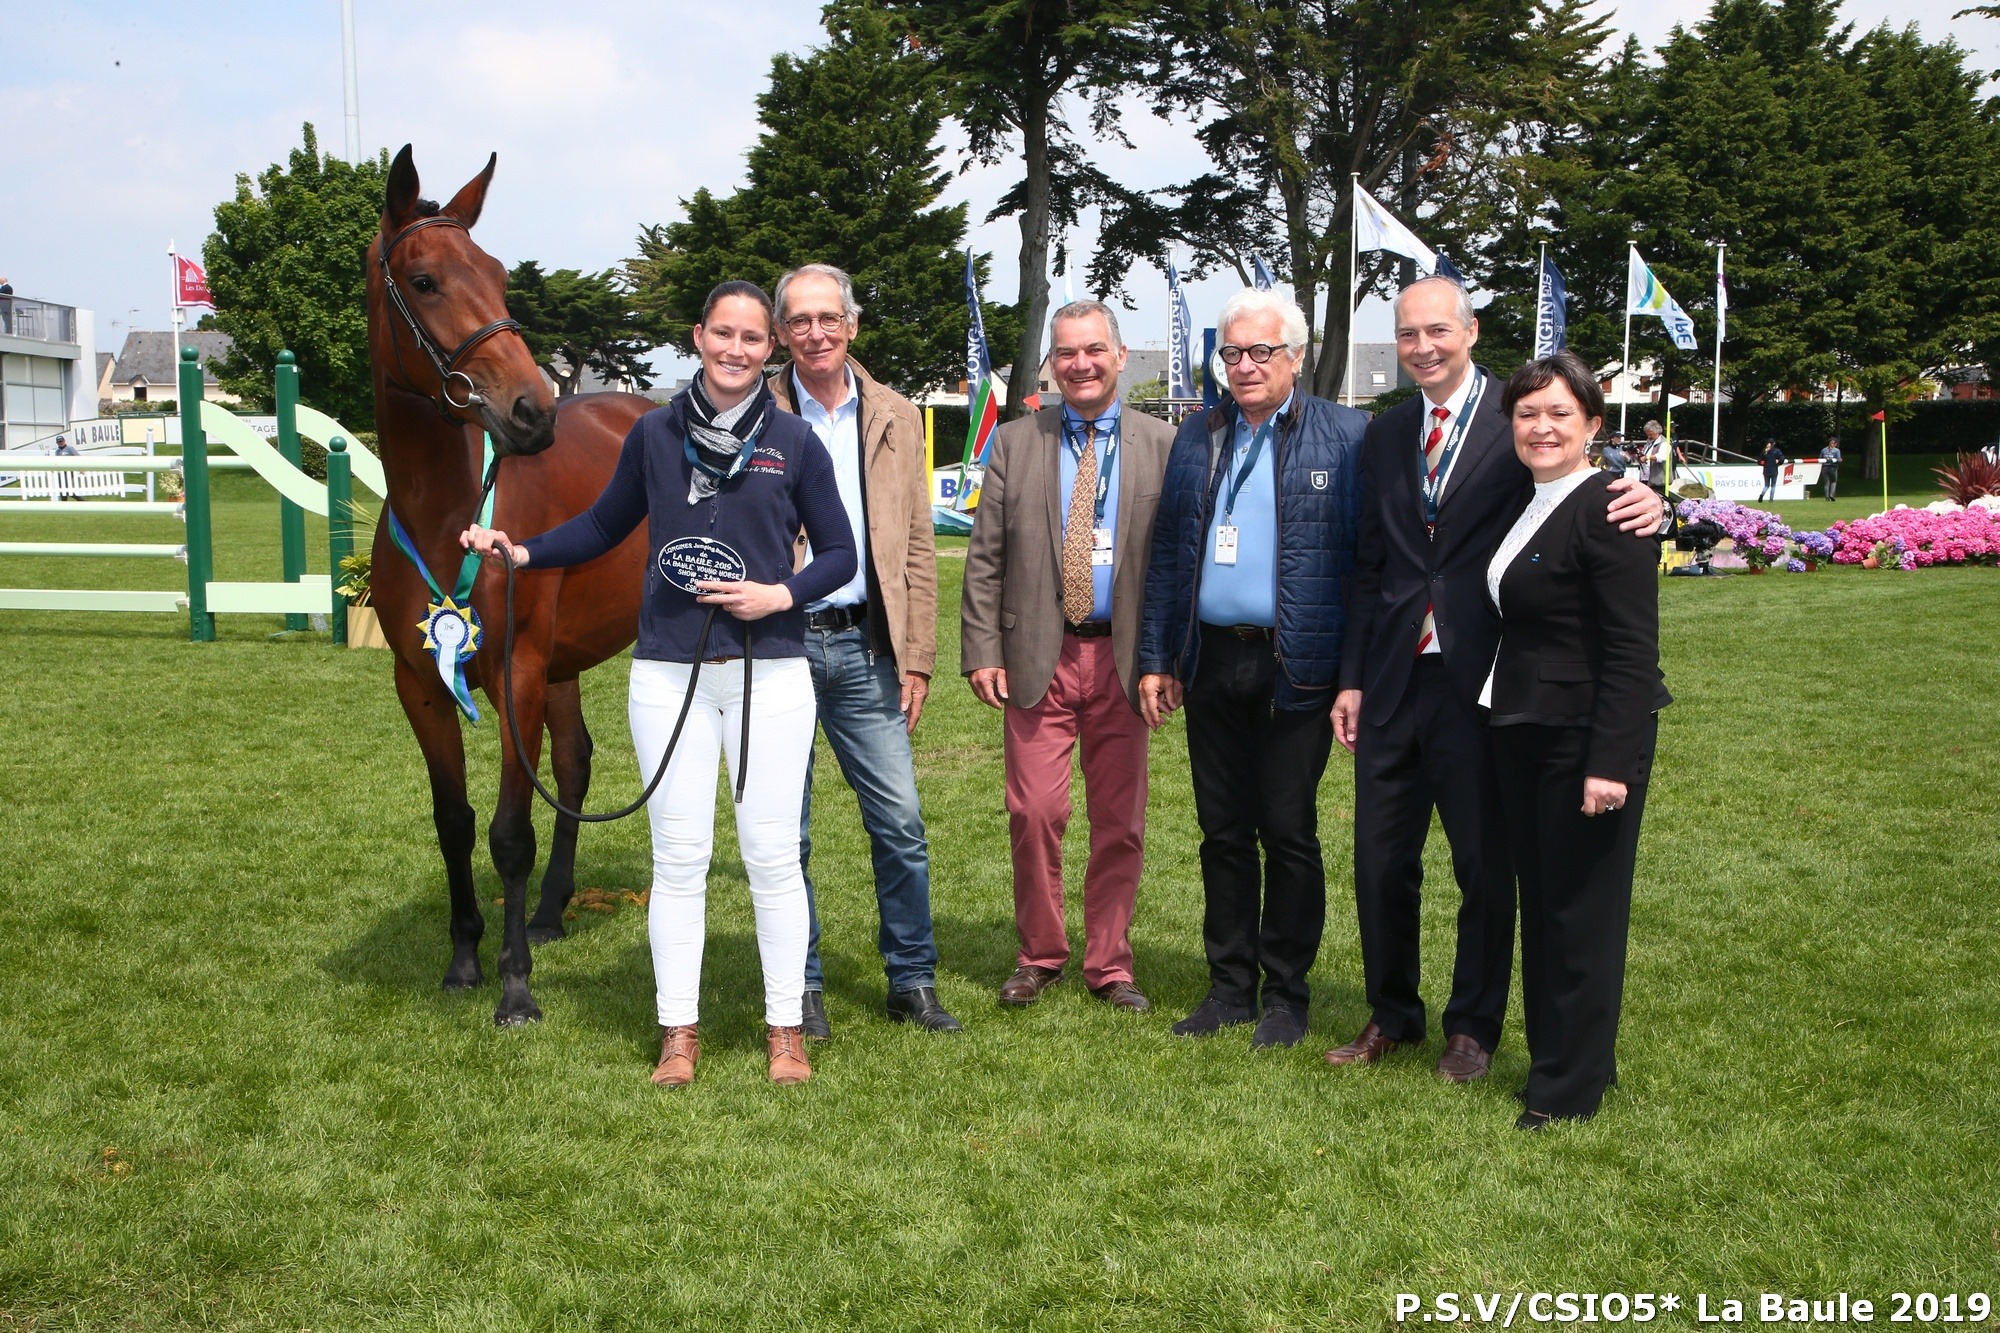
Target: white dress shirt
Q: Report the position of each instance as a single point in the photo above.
(840, 431)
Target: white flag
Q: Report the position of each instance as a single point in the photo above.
(1721, 298)
(1375, 228)
(1645, 296)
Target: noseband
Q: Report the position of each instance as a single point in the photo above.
(445, 364)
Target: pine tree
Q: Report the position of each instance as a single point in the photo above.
(844, 173)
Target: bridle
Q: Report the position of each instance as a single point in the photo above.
(445, 364)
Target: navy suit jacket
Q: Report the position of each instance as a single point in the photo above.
(1400, 569)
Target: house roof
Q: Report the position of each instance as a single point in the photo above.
(149, 353)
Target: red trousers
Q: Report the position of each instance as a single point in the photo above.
(1085, 703)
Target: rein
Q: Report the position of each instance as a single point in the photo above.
(673, 741)
(446, 364)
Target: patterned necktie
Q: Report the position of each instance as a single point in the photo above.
(1433, 455)
(1434, 443)
(1078, 584)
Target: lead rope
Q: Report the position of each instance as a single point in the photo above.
(694, 674)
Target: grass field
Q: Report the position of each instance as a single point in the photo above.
(232, 1094)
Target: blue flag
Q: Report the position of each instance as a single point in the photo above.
(1180, 347)
(982, 406)
(1551, 316)
(1261, 276)
(1447, 269)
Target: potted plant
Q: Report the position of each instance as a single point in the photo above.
(364, 627)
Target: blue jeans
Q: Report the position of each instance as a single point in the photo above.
(860, 698)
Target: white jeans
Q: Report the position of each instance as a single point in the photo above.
(682, 813)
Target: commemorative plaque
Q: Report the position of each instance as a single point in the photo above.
(688, 561)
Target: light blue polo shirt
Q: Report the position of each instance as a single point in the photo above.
(1245, 593)
(1107, 433)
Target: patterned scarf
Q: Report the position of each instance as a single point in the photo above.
(720, 442)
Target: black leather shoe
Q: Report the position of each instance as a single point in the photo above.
(920, 1006)
(1540, 1120)
(1282, 1025)
(812, 1017)
(1211, 1016)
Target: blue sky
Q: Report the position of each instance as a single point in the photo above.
(139, 117)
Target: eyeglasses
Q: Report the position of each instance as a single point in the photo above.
(1258, 352)
(829, 322)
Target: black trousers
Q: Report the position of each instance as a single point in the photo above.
(1576, 910)
(1829, 475)
(1256, 771)
(1432, 752)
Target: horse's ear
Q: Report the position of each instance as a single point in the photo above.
(465, 205)
(401, 202)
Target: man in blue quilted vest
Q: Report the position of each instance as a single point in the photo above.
(1253, 547)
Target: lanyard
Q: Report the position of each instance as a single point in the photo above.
(1257, 439)
(1077, 442)
(1434, 482)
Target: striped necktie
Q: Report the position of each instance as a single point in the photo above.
(1433, 455)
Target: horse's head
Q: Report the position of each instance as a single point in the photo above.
(438, 322)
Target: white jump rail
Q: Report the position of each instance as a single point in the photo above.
(252, 452)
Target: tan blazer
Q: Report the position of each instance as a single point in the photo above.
(1011, 613)
(896, 496)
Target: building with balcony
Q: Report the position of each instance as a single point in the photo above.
(48, 369)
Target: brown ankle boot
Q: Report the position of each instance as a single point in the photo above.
(788, 1056)
(680, 1047)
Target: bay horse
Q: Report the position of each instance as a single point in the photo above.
(448, 365)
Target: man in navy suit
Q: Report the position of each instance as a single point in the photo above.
(1441, 486)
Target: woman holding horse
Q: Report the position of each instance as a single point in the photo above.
(724, 481)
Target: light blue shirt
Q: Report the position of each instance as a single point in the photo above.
(840, 431)
(1245, 593)
(1107, 433)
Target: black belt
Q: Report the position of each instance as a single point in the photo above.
(1089, 629)
(1253, 633)
(837, 617)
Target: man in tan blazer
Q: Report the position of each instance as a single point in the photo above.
(1055, 585)
(871, 644)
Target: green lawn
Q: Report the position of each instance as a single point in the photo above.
(232, 1094)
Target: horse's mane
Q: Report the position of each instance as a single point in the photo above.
(428, 208)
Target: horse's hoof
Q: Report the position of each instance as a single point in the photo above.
(463, 978)
(546, 934)
(514, 1016)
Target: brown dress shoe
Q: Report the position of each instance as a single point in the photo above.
(1365, 1049)
(1122, 995)
(1028, 983)
(680, 1047)
(788, 1056)
(1463, 1060)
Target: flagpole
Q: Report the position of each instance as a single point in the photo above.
(1885, 456)
(1625, 365)
(1353, 275)
(1715, 397)
(174, 300)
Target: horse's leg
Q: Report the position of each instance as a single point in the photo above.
(511, 837)
(436, 726)
(569, 755)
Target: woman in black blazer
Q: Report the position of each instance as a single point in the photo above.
(1574, 700)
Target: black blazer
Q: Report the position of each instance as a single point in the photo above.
(1398, 568)
(1580, 636)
